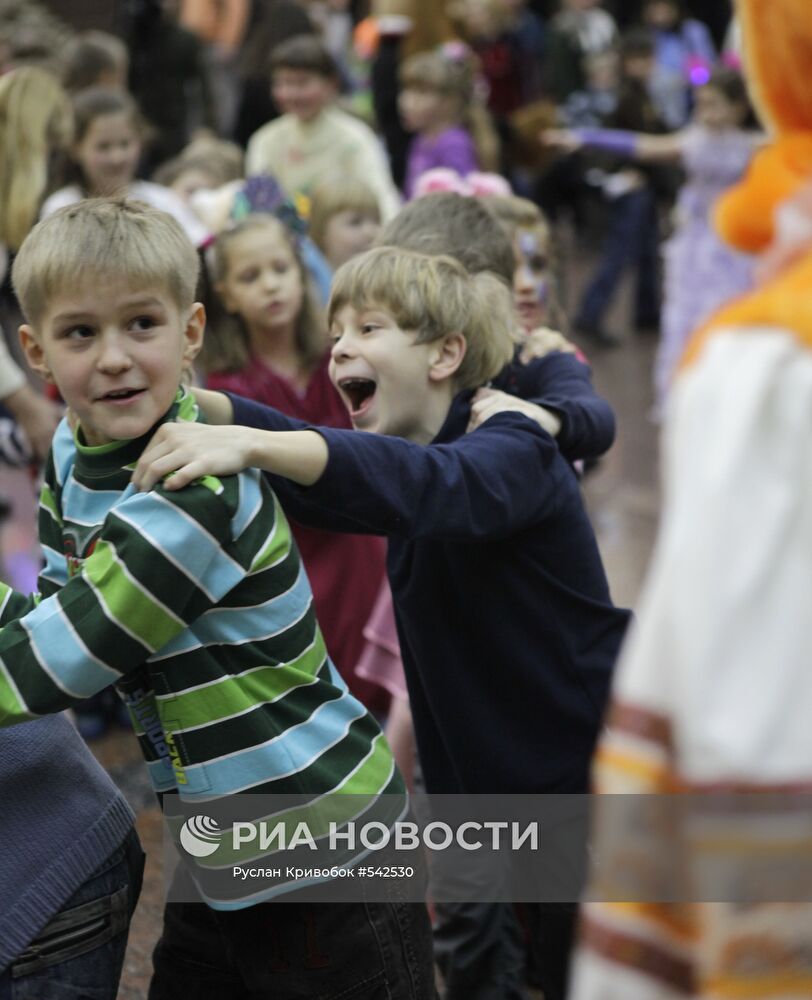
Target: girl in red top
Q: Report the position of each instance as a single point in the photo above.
(270, 346)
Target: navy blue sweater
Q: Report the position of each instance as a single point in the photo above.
(60, 817)
(507, 630)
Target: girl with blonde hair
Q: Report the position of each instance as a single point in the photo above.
(439, 103)
(35, 118)
(272, 347)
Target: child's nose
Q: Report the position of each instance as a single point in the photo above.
(524, 280)
(113, 356)
(341, 348)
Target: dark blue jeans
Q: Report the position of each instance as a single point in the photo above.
(292, 951)
(80, 953)
(632, 241)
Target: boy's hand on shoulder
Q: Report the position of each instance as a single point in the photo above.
(488, 402)
(542, 341)
(180, 453)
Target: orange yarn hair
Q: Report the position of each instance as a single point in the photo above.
(778, 63)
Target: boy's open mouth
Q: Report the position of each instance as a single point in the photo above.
(359, 392)
(120, 395)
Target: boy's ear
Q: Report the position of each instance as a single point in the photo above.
(34, 352)
(447, 357)
(193, 334)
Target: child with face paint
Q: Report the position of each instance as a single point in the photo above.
(535, 296)
(531, 282)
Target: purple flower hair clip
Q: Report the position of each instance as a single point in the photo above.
(262, 194)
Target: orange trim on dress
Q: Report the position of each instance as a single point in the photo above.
(643, 956)
(784, 303)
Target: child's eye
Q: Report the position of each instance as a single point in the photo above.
(369, 327)
(143, 323)
(281, 268)
(77, 333)
(246, 277)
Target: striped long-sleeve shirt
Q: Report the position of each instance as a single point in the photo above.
(195, 604)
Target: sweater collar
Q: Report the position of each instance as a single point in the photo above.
(104, 460)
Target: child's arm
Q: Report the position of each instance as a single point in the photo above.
(186, 452)
(484, 485)
(218, 408)
(561, 387)
(636, 145)
(556, 391)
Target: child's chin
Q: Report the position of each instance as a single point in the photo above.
(130, 430)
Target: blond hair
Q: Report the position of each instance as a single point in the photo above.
(229, 349)
(447, 223)
(220, 159)
(99, 239)
(434, 297)
(513, 213)
(35, 117)
(340, 194)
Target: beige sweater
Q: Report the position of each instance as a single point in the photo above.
(334, 144)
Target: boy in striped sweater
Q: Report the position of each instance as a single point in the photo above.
(194, 603)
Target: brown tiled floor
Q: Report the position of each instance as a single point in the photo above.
(622, 498)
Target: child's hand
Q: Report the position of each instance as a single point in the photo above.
(543, 341)
(563, 139)
(185, 452)
(488, 402)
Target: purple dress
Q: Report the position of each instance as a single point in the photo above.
(701, 272)
(454, 148)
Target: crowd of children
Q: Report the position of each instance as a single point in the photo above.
(388, 363)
